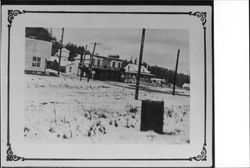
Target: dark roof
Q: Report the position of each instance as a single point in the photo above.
(110, 58)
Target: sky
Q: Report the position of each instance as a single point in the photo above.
(160, 45)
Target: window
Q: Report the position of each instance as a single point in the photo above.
(93, 61)
(113, 64)
(105, 64)
(36, 62)
(70, 69)
(119, 65)
(98, 62)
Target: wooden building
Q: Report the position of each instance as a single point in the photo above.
(131, 71)
(101, 67)
(37, 52)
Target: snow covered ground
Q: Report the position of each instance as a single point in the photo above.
(66, 110)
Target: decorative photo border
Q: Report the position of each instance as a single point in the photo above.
(202, 156)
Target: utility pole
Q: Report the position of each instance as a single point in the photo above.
(175, 74)
(60, 55)
(139, 66)
(91, 59)
(82, 61)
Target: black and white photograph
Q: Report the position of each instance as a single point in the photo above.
(96, 95)
(95, 85)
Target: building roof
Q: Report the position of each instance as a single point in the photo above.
(186, 85)
(65, 50)
(78, 57)
(132, 68)
(158, 79)
(53, 58)
(66, 63)
(63, 63)
(110, 58)
(65, 53)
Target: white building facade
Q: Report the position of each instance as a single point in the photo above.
(37, 52)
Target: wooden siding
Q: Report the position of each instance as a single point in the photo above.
(36, 48)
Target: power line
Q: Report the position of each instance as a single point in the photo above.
(91, 59)
(60, 55)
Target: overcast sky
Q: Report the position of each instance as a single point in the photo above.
(160, 46)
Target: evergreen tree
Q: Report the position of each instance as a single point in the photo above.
(74, 50)
(39, 33)
(168, 75)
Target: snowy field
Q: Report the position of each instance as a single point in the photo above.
(66, 110)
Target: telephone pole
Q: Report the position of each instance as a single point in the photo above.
(60, 55)
(175, 74)
(82, 61)
(91, 59)
(139, 65)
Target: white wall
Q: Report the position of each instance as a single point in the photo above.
(36, 48)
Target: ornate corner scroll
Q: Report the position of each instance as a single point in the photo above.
(12, 14)
(11, 156)
(202, 156)
(201, 15)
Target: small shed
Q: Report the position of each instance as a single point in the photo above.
(72, 68)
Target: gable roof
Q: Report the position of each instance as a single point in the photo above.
(53, 58)
(78, 57)
(132, 68)
(65, 50)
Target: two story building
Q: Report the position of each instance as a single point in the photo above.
(100, 68)
(37, 52)
(106, 68)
